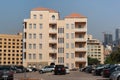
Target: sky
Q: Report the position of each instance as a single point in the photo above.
(102, 15)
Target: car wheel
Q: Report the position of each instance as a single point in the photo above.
(40, 72)
(118, 78)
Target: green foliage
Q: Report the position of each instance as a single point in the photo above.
(93, 61)
(113, 58)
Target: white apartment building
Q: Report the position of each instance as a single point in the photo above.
(95, 49)
(48, 39)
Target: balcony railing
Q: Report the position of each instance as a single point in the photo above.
(80, 49)
(52, 50)
(80, 39)
(80, 59)
(52, 30)
(52, 40)
(80, 29)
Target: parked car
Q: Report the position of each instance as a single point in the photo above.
(6, 72)
(115, 75)
(89, 69)
(46, 69)
(29, 69)
(67, 70)
(19, 69)
(34, 69)
(109, 71)
(59, 69)
(98, 70)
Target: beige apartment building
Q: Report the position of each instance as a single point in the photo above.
(48, 39)
(11, 49)
(95, 49)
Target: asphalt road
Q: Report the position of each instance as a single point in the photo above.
(74, 75)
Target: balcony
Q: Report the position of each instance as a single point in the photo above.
(52, 21)
(80, 29)
(52, 40)
(52, 30)
(80, 49)
(80, 40)
(80, 59)
(52, 50)
(52, 60)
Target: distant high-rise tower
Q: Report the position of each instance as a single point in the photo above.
(108, 39)
(117, 34)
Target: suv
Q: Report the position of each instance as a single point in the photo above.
(59, 69)
(46, 69)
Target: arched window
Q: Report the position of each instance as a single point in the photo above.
(53, 17)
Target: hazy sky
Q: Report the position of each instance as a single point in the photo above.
(103, 15)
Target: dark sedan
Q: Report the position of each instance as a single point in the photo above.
(109, 71)
(6, 73)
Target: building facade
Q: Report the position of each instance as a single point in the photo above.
(11, 49)
(117, 34)
(117, 37)
(108, 39)
(48, 39)
(95, 49)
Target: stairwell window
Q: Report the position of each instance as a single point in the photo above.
(53, 17)
(34, 56)
(41, 16)
(34, 16)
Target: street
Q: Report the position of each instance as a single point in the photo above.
(74, 75)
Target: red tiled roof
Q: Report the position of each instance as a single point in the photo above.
(75, 15)
(44, 9)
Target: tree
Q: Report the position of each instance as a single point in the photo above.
(93, 61)
(113, 58)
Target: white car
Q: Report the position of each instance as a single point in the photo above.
(115, 75)
(46, 69)
(29, 69)
(67, 70)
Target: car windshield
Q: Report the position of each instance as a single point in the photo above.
(4, 68)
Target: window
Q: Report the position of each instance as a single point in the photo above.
(40, 46)
(60, 30)
(34, 56)
(30, 46)
(72, 26)
(40, 56)
(67, 26)
(41, 26)
(34, 46)
(41, 16)
(60, 59)
(60, 50)
(53, 17)
(34, 16)
(60, 40)
(67, 35)
(79, 26)
(80, 36)
(30, 36)
(67, 55)
(30, 56)
(80, 45)
(40, 35)
(34, 36)
(72, 55)
(72, 35)
(34, 26)
(67, 45)
(72, 65)
(30, 26)
(72, 45)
